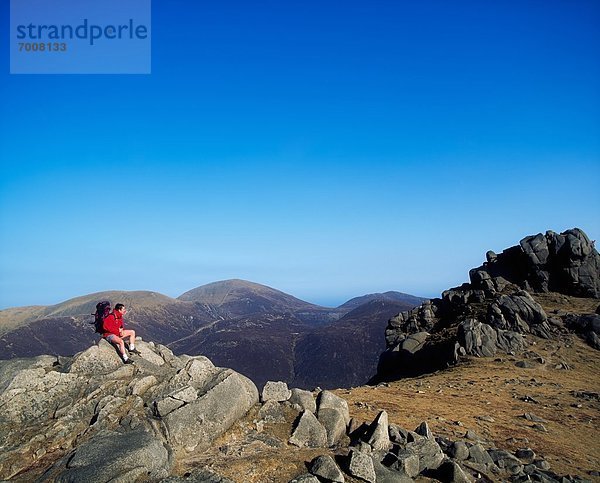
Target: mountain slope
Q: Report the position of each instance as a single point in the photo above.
(344, 353)
(241, 297)
(258, 331)
(391, 295)
(64, 328)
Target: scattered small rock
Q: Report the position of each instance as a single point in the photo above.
(275, 391)
(525, 454)
(532, 417)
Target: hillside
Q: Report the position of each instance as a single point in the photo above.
(400, 297)
(322, 356)
(259, 331)
(64, 328)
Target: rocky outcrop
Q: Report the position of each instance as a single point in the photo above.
(91, 418)
(137, 422)
(496, 312)
(566, 263)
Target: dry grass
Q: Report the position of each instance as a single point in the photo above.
(556, 302)
(455, 400)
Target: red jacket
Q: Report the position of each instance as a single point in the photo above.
(112, 323)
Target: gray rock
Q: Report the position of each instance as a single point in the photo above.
(520, 313)
(275, 391)
(167, 405)
(328, 400)
(335, 425)
(478, 454)
(139, 386)
(361, 466)
(325, 467)
(272, 412)
(148, 353)
(459, 451)
(423, 430)
(414, 342)
(429, 452)
(532, 417)
(542, 464)
(407, 462)
(397, 434)
(525, 454)
(593, 340)
(478, 339)
(112, 455)
(506, 461)
(387, 475)
(378, 435)
(197, 424)
(304, 399)
(309, 432)
(483, 340)
(473, 436)
(451, 472)
(34, 394)
(175, 400)
(187, 394)
(200, 371)
(567, 263)
(97, 360)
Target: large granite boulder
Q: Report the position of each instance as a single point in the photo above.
(483, 340)
(197, 423)
(113, 456)
(518, 312)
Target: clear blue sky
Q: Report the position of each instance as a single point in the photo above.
(327, 149)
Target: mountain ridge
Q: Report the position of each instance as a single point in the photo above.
(249, 327)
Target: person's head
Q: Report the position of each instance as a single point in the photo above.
(120, 308)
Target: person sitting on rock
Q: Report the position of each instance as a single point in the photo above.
(115, 333)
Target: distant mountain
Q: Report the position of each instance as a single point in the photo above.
(241, 298)
(344, 353)
(64, 328)
(391, 296)
(259, 331)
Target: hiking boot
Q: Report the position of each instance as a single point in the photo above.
(128, 361)
(135, 351)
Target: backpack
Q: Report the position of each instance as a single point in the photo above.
(102, 310)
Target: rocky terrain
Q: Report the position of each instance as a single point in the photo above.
(497, 310)
(495, 381)
(181, 419)
(256, 330)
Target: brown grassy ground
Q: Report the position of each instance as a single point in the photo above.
(490, 396)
